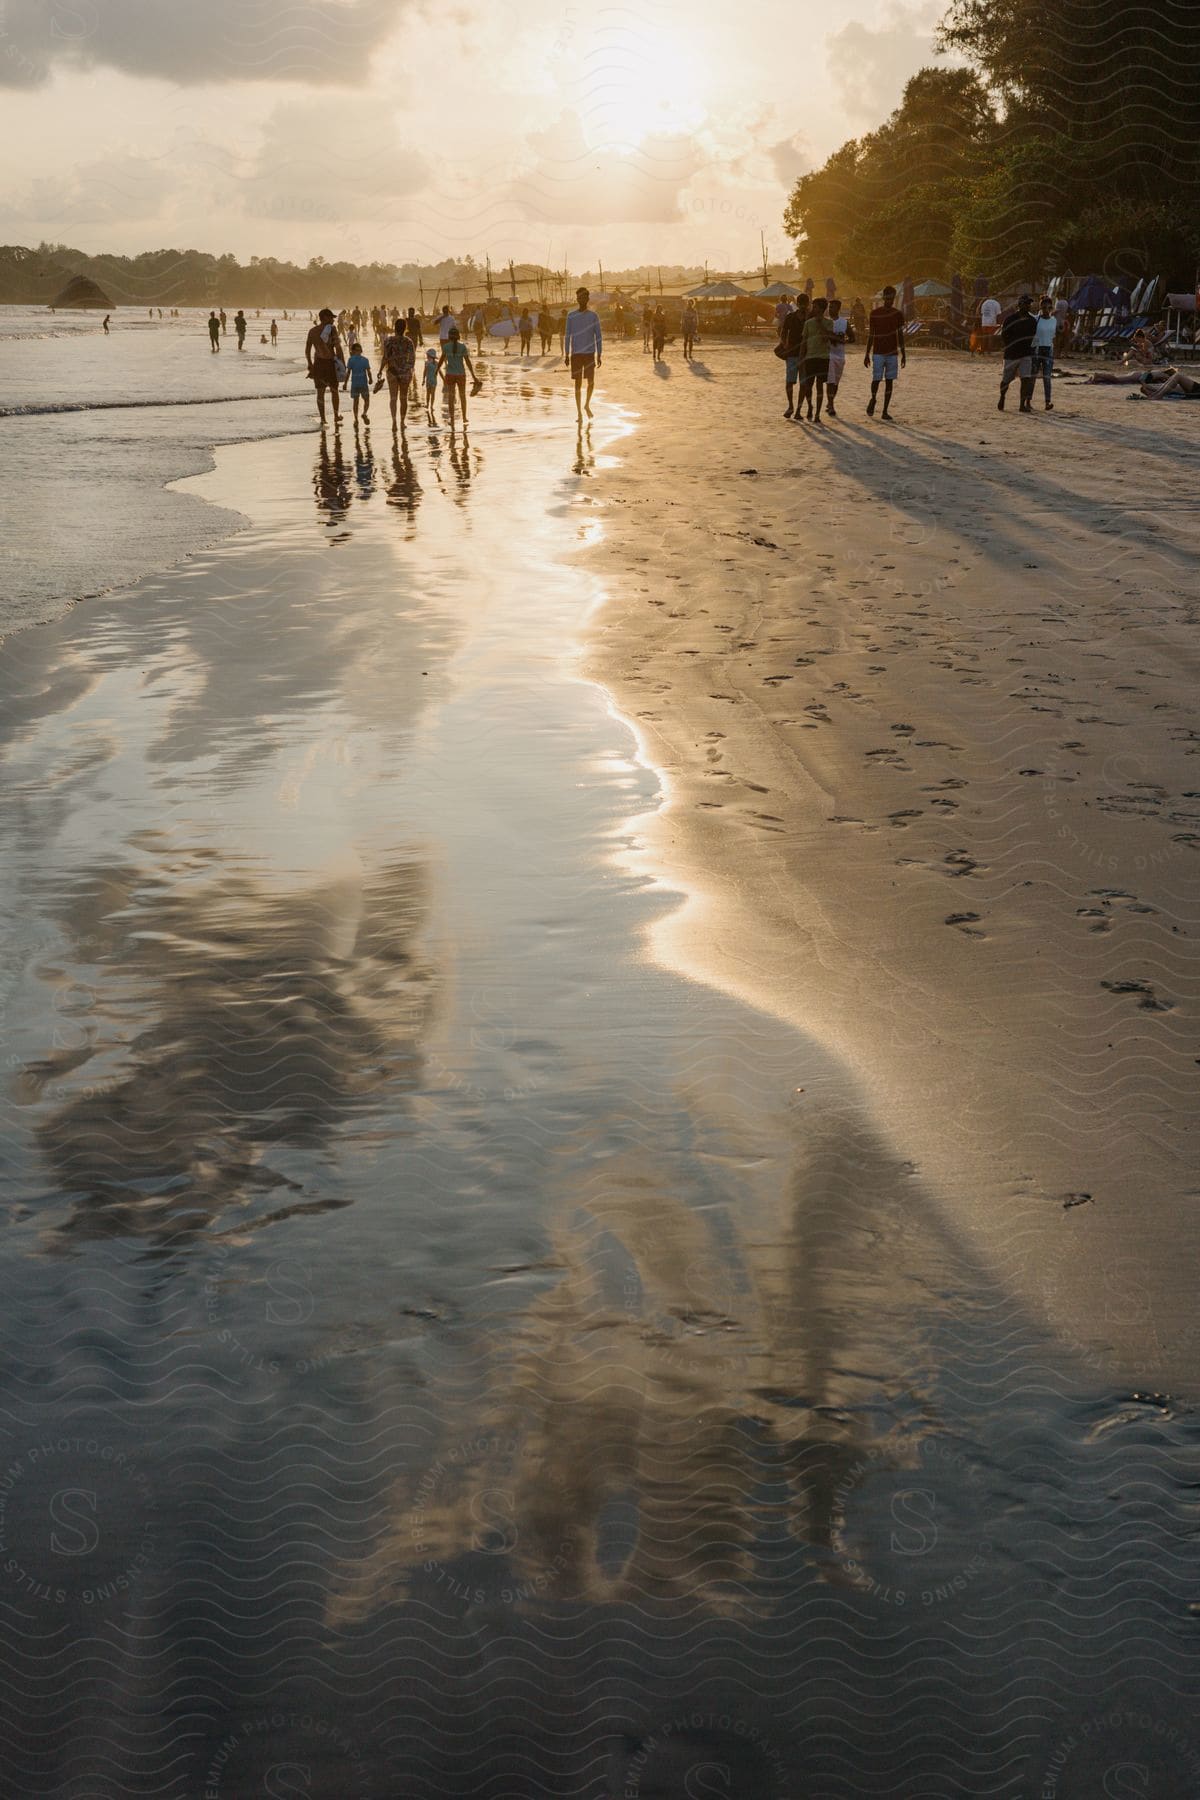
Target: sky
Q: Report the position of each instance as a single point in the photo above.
(667, 131)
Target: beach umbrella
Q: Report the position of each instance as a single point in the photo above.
(715, 290)
(1090, 295)
(777, 290)
(931, 290)
(830, 288)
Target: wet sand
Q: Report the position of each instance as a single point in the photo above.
(471, 1330)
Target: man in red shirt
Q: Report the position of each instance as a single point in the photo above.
(885, 349)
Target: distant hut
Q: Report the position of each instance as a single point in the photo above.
(82, 291)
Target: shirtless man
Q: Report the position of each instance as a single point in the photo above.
(323, 352)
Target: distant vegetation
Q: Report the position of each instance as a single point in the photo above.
(169, 278)
(1070, 140)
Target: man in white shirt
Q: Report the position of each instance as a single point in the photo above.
(1043, 348)
(989, 317)
(446, 324)
(837, 355)
(583, 345)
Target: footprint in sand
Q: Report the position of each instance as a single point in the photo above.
(1103, 921)
(964, 922)
(1148, 1000)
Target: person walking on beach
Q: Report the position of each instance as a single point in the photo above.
(214, 331)
(1017, 335)
(446, 324)
(546, 328)
(224, 324)
(455, 364)
(239, 325)
(477, 324)
(690, 322)
(413, 326)
(358, 376)
(399, 366)
(525, 327)
(1045, 333)
(647, 326)
(323, 354)
(107, 317)
(818, 336)
(989, 319)
(583, 348)
(658, 333)
(885, 352)
(274, 334)
(840, 328)
(792, 344)
(431, 381)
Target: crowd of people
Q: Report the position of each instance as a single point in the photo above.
(336, 362)
(814, 338)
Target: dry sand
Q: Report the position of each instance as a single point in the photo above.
(924, 697)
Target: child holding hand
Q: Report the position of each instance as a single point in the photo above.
(358, 379)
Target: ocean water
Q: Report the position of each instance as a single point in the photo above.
(93, 427)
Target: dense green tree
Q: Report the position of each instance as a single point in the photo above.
(1072, 140)
(885, 205)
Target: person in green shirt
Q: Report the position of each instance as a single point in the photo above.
(818, 336)
(454, 363)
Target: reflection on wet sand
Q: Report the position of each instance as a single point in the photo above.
(364, 462)
(403, 489)
(243, 1023)
(680, 1394)
(331, 486)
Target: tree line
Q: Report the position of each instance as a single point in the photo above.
(1063, 137)
(169, 278)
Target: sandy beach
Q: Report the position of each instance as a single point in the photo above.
(923, 696)
(600, 1053)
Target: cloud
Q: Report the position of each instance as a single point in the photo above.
(192, 41)
(116, 190)
(322, 161)
(790, 158)
(566, 182)
(868, 66)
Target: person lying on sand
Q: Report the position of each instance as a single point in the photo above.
(1175, 385)
(1136, 366)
